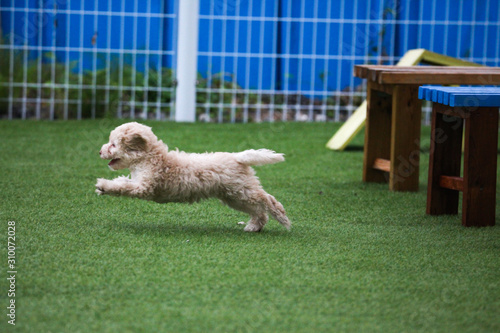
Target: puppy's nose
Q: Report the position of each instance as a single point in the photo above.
(100, 152)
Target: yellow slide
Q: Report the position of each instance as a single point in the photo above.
(357, 120)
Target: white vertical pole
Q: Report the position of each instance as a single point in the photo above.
(187, 56)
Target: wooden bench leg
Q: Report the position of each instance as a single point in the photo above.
(377, 134)
(405, 138)
(480, 167)
(444, 160)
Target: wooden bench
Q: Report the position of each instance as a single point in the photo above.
(476, 109)
(392, 133)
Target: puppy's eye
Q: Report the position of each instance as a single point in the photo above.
(113, 145)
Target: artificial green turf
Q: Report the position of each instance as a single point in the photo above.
(358, 258)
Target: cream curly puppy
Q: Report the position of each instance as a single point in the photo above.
(163, 176)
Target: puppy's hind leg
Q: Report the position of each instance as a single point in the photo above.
(266, 204)
(275, 208)
(257, 212)
(256, 223)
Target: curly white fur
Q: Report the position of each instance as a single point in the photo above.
(163, 176)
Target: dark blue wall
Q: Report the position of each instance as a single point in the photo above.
(360, 32)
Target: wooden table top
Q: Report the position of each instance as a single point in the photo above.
(429, 74)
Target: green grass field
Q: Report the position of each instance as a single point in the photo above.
(358, 258)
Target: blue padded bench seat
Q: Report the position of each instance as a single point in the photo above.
(461, 96)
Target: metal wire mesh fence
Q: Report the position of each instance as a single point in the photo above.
(87, 59)
(257, 60)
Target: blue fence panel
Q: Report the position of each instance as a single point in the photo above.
(81, 28)
(230, 34)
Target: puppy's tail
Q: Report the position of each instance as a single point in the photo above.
(259, 157)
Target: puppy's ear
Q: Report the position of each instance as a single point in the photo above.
(135, 142)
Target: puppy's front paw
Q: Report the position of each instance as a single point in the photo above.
(100, 186)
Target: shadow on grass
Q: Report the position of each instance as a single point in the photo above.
(166, 229)
(354, 148)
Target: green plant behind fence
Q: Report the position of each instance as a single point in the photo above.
(44, 86)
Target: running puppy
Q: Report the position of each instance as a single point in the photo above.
(163, 176)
